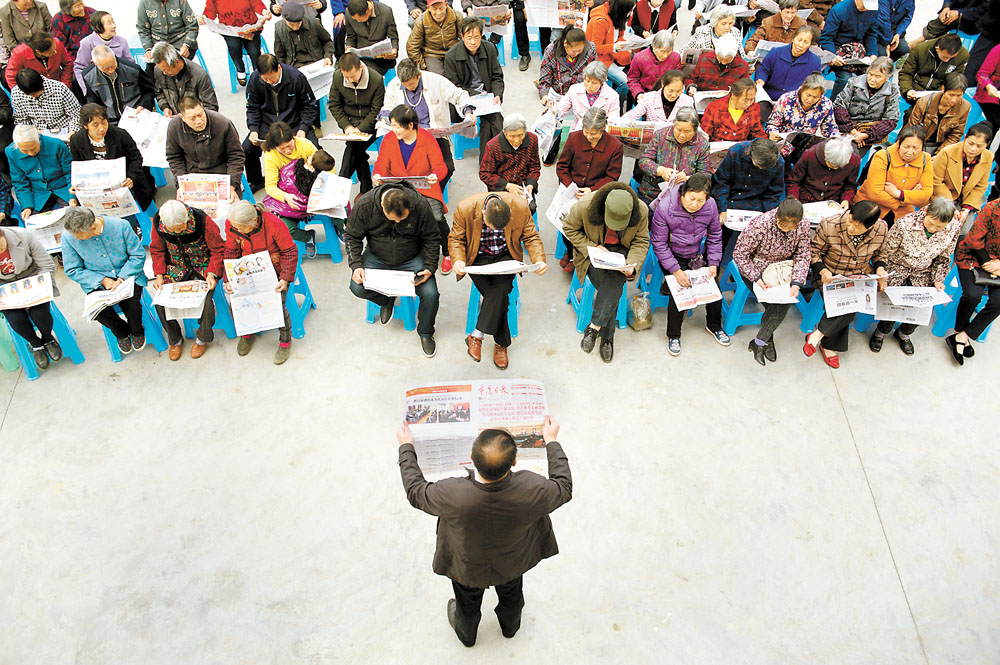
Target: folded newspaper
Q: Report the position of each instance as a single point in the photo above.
(393, 283)
(48, 228)
(737, 220)
(562, 201)
(605, 260)
(702, 291)
(149, 131)
(376, 50)
(320, 77)
(255, 304)
(466, 128)
(329, 195)
(27, 292)
(182, 300)
(503, 268)
(95, 301)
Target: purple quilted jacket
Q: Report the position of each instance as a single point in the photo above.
(286, 183)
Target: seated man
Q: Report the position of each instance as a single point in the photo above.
(356, 97)
(115, 83)
(511, 163)
(200, 141)
(615, 219)
(718, 70)
(105, 33)
(177, 78)
(751, 177)
(435, 31)
(489, 228)
(943, 115)
(300, 40)
(369, 23)
(828, 171)
(373, 241)
(473, 65)
(276, 92)
(44, 103)
(45, 55)
(929, 63)
(39, 171)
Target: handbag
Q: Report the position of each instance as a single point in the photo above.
(778, 273)
(985, 278)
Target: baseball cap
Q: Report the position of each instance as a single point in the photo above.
(293, 11)
(618, 209)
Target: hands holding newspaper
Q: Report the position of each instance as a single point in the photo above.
(684, 281)
(358, 276)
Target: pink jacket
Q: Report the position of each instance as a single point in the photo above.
(650, 107)
(575, 100)
(646, 70)
(286, 183)
(989, 72)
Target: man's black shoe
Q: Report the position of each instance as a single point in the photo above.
(428, 346)
(452, 609)
(523, 64)
(385, 314)
(607, 350)
(589, 339)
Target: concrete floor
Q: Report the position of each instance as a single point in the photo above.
(229, 511)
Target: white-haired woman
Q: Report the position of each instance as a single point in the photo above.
(39, 171)
(828, 171)
(650, 64)
(186, 245)
(718, 69)
(510, 162)
(722, 21)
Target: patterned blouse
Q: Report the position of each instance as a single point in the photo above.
(664, 150)
(763, 243)
(788, 115)
(982, 243)
(911, 255)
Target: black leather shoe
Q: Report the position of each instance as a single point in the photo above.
(54, 351)
(452, 609)
(907, 345)
(523, 64)
(428, 346)
(758, 352)
(385, 314)
(607, 350)
(770, 352)
(875, 343)
(41, 358)
(589, 339)
(959, 356)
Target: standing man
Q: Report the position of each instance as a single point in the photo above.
(300, 40)
(370, 23)
(276, 92)
(473, 65)
(356, 97)
(493, 526)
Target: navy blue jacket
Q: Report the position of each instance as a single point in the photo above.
(739, 184)
(845, 24)
(296, 104)
(895, 17)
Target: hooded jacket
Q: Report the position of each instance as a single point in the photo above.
(584, 227)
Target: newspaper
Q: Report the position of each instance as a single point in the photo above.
(329, 195)
(702, 98)
(690, 56)
(804, 14)
(737, 220)
(208, 192)
(255, 303)
(702, 291)
(107, 202)
(845, 295)
(503, 268)
(817, 211)
(466, 128)
(418, 181)
(390, 282)
(26, 292)
(886, 310)
(764, 47)
(445, 419)
(562, 201)
(635, 132)
(95, 301)
(48, 228)
(768, 6)
(606, 260)
(916, 296)
(485, 104)
(376, 50)
(359, 136)
(98, 173)
(149, 131)
(633, 42)
(780, 294)
(825, 57)
(744, 12)
(213, 25)
(320, 77)
(917, 94)
(543, 14)
(182, 300)
(491, 17)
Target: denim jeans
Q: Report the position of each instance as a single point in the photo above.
(427, 293)
(236, 46)
(618, 79)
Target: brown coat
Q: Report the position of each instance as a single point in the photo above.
(430, 40)
(489, 534)
(942, 130)
(948, 176)
(467, 228)
(584, 227)
(770, 30)
(832, 248)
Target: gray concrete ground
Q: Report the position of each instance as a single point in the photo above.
(226, 510)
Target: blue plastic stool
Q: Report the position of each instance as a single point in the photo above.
(223, 316)
(63, 333)
(296, 311)
(583, 304)
(405, 310)
(501, 53)
(733, 314)
(145, 218)
(245, 185)
(159, 175)
(534, 44)
(248, 65)
(513, 308)
(561, 248)
(650, 280)
(374, 147)
(812, 310)
(201, 61)
(388, 76)
(862, 322)
(461, 143)
(330, 245)
(944, 314)
(150, 325)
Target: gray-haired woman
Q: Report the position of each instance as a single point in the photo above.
(828, 171)
(917, 252)
(592, 92)
(721, 21)
(868, 106)
(510, 162)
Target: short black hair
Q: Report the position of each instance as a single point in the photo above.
(470, 22)
(323, 161)
(187, 103)
(496, 212)
(405, 116)
(668, 77)
(983, 129)
(277, 134)
(764, 153)
(950, 42)
(357, 7)
(956, 81)
(699, 182)
(97, 20)
(90, 111)
(29, 81)
(349, 62)
(40, 41)
(396, 201)
(740, 87)
(493, 453)
(911, 130)
(267, 63)
(865, 212)
(791, 209)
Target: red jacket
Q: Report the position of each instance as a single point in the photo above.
(601, 32)
(643, 16)
(271, 236)
(425, 159)
(589, 166)
(235, 13)
(719, 125)
(60, 65)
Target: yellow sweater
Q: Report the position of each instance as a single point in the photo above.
(274, 160)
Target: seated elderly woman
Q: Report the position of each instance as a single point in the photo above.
(962, 171)
(806, 110)
(828, 171)
(686, 235)
(650, 64)
(675, 153)
(186, 245)
(101, 253)
(39, 171)
(22, 256)
(592, 92)
(750, 177)
(780, 27)
(249, 231)
(590, 160)
(510, 163)
(901, 178)
(768, 243)
(563, 64)
(606, 25)
(295, 179)
(735, 117)
(663, 101)
(786, 68)
(719, 69)
(720, 23)
(44, 103)
(978, 260)
(943, 115)
(411, 151)
(868, 106)
(917, 252)
(847, 244)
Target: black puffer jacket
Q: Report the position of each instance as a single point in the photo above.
(392, 243)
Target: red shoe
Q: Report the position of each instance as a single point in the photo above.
(446, 265)
(565, 261)
(808, 348)
(831, 360)
(569, 266)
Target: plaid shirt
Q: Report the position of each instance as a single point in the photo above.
(833, 249)
(55, 109)
(710, 74)
(719, 125)
(491, 241)
(982, 243)
(558, 74)
(71, 30)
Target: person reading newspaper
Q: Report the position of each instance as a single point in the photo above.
(369, 23)
(471, 551)
(21, 257)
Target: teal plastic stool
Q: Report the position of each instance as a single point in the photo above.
(159, 176)
(561, 248)
(150, 325)
(8, 357)
(944, 314)
(223, 316)
(502, 51)
(145, 218)
(297, 310)
(812, 310)
(330, 245)
(534, 44)
(733, 314)
(245, 185)
(583, 304)
(405, 310)
(388, 76)
(63, 333)
(476, 298)
(461, 143)
(201, 61)
(650, 280)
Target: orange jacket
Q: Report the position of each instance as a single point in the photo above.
(888, 166)
(601, 32)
